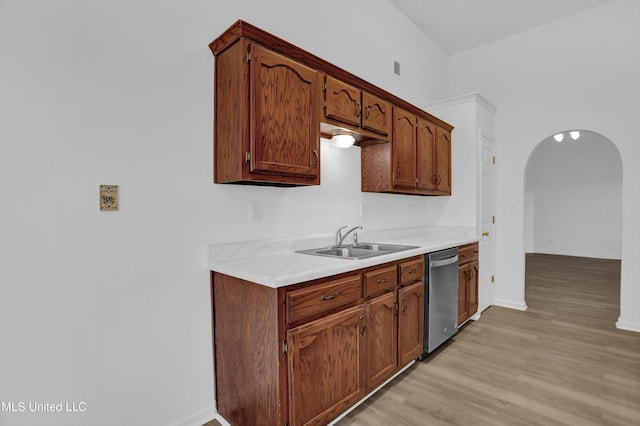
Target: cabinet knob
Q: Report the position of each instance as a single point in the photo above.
(485, 234)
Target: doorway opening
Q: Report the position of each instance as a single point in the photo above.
(573, 216)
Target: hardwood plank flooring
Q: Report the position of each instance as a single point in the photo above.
(561, 362)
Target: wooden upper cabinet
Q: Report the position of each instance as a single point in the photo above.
(266, 118)
(342, 101)
(273, 102)
(284, 133)
(443, 161)
(360, 111)
(425, 152)
(403, 148)
(376, 115)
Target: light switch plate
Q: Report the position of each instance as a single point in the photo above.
(108, 197)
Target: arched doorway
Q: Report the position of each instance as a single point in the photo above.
(573, 198)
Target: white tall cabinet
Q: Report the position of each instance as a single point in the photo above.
(472, 202)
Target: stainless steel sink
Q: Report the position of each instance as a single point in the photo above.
(360, 251)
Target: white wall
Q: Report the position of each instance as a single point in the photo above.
(580, 72)
(576, 189)
(112, 308)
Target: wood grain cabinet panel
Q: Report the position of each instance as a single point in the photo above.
(417, 160)
(467, 281)
(342, 101)
(266, 118)
(313, 300)
(443, 161)
(284, 127)
(380, 280)
(403, 148)
(326, 374)
(410, 322)
(412, 271)
(376, 115)
(381, 339)
(274, 100)
(348, 107)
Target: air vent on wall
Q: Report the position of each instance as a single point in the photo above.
(396, 68)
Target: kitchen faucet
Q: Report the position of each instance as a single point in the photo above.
(340, 236)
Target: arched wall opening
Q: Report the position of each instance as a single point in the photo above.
(573, 197)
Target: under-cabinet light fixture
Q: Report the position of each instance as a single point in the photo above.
(559, 137)
(575, 135)
(342, 138)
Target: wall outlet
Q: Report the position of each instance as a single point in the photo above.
(364, 210)
(109, 198)
(255, 212)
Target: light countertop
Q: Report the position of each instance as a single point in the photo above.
(274, 263)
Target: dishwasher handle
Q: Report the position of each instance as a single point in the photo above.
(443, 262)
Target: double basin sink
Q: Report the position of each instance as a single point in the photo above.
(359, 251)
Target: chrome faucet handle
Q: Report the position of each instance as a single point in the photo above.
(355, 238)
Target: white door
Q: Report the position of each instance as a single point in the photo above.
(487, 221)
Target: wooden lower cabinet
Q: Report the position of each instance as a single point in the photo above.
(381, 339)
(305, 353)
(467, 282)
(410, 322)
(326, 367)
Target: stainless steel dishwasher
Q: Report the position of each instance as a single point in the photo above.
(441, 298)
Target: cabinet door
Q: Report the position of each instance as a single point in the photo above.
(473, 287)
(463, 291)
(425, 152)
(377, 114)
(342, 101)
(285, 133)
(325, 360)
(381, 339)
(403, 147)
(410, 322)
(443, 160)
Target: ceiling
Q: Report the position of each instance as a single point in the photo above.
(459, 25)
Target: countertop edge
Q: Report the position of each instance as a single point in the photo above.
(275, 269)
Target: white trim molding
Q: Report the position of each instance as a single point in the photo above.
(510, 304)
(457, 100)
(628, 325)
(203, 416)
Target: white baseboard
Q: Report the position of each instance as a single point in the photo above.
(607, 256)
(628, 325)
(510, 304)
(198, 419)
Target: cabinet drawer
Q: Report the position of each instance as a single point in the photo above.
(468, 253)
(411, 271)
(380, 280)
(316, 299)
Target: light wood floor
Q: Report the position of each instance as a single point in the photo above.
(561, 362)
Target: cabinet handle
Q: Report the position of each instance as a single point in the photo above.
(359, 109)
(333, 296)
(398, 172)
(367, 109)
(386, 280)
(315, 161)
(484, 234)
(404, 305)
(363, 321)
(434, 179)
(413, 271)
